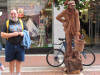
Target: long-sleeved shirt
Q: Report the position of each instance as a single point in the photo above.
(71, 20)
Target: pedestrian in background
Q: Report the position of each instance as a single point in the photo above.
(1, 65)
(1, 68)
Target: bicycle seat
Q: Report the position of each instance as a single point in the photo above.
(61, 39)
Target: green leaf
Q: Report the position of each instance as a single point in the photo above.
(65, 7)
(58, 8)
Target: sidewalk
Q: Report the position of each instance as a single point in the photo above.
(37, 65)
(37, 60)
(93, 70)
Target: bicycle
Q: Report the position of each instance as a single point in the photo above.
(55, 57)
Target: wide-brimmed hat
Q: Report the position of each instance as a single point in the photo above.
(66, 2)
(69, 2)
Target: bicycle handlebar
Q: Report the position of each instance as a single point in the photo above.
(58, 44)
(61, 39)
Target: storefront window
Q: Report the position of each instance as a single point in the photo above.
(94, 22)
(90, 24)
(38, 19)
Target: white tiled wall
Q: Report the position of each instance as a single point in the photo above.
(58, 30)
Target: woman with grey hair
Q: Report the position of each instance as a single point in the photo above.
(13, 32)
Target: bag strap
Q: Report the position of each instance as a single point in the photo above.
(21, 22)
(7, 25)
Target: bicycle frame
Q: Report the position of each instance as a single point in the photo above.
(62, 48)
(63, 44)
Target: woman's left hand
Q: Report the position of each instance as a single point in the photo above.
(78, 33)
(21, 34)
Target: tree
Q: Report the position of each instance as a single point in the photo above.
(80, 4)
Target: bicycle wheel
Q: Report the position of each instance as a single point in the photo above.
(55, 58)
(88, 57)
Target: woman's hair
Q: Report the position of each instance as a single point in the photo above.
(14, 9)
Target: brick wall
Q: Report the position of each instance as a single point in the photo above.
(30, 6)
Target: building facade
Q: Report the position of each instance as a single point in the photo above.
(52, 30)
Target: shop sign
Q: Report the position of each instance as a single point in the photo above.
(20, 12)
